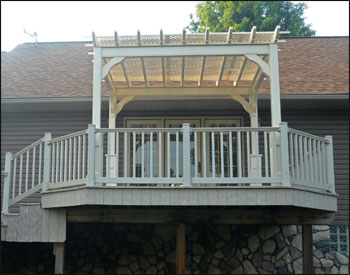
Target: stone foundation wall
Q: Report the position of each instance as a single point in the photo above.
(150, 249)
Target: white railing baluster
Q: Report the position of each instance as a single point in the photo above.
(70, 160)
(75, 158)
(14, 177)
(117, 155)
(108, 155)
(212, 154)
(57, 160)
(168, 151)
(296, 150)
(33, 166)
(177, 154)
(314, 157)
(27, 171)
(204, 135)
(239, 154)
(305, 159)
(160, 154)
(222, 154)
(230, 152)
(301, 162)
(151, 155)
(65, 160)
(79, 157)
(291, 154)
(257, 165)
(248, 153)
(311, 168)
(142, 154)
(134, 154)
(20, 174)
(319, 162)
(53, 158)
(101, 155)
(195, 155)
(324, 163)
(266, 155)
(40, 160)
(61, 162)
(84, 157)
(125, 155)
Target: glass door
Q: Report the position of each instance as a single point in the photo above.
(221, 160)
(174, 154)
(140, 150)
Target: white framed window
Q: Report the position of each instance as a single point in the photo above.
(339, 238)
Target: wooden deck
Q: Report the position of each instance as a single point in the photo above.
(213, 196)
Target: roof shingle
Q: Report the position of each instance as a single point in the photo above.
(64, 69)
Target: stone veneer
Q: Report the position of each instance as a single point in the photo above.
(150, 249)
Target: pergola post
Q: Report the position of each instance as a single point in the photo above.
(111, 138)
(96, 100)
(255, 157)
(275, 103)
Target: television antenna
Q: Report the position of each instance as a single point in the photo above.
(35, 35)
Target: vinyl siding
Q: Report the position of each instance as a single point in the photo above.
(18, 130)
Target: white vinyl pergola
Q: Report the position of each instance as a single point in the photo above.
(226, 65)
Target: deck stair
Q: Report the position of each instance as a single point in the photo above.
(34, 224)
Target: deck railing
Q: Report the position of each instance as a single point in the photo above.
(171, 157)
(24, 173)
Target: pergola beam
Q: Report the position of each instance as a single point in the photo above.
(184, 91)
(186, 50)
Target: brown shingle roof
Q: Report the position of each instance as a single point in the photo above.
(64, 69)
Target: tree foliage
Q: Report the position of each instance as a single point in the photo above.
(218, 16)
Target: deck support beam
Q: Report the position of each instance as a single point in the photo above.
(307, 249)
(58, 251)
(180, 248)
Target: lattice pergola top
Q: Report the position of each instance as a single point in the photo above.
(207, 38)
(195, 70)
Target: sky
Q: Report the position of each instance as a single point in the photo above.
(75, 21)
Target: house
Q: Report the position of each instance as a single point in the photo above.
(188, 153)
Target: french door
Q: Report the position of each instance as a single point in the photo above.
(164, 155)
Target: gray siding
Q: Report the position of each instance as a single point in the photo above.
(21, 129)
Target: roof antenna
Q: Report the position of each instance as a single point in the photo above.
(33, 35)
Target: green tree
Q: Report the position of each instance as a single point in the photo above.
(218, 16)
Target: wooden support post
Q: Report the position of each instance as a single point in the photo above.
(180, 248)
(6, 192)
(91, 155)
(58, 251)
(285, 176)
(186, 155)
(330, 164)
(307, 249)
(47, 161)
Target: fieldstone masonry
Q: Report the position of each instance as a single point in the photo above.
(210, 249)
